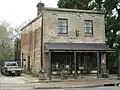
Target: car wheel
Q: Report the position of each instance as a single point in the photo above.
(7, 73)
(2, 72)
(18, 74)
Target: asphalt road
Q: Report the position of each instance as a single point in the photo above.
(95, 88)
(13, 83)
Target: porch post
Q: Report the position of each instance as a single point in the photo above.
(49, 65)
(118, 61)
(75, 69)
(22, 60)
(98, 63)
(103, 65)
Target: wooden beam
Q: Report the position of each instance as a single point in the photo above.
(75, 65)
(72, 51)
(98, 63)
(49, 74)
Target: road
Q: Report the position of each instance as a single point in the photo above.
(13, 83)
(19, 83)
(95, 88)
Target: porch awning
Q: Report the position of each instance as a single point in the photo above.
(77, 46)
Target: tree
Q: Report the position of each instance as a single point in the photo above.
(17, 48)
(17, 40)
(6, 42)
(111, 8)
(74, 4)
(17, 43)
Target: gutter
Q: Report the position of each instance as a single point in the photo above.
(73, 10)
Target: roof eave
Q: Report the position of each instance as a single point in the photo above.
(73, 10)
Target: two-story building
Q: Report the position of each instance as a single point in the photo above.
(60, 37)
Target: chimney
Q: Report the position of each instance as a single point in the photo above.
(40, 7)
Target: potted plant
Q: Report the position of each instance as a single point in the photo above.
(42, 74)
(64, 73)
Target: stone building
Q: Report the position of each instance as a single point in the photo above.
(64, 37)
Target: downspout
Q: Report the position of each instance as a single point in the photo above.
(42, 43)
(34, 47)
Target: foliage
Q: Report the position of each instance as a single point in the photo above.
(9, 41)
(74, 4)
(6, 43)
(64, 73)
(112, 27)
(17, 48)
(17, 43)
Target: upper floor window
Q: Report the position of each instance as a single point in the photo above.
(62, 26)
(88, 26)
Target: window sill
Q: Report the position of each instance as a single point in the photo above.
(88, 35)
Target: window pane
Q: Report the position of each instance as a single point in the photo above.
(11, 64)
(62, 26)
(64, 21)
(59, 29)
(88, 30)
(88, 26)
(59, 24)
(88, 23)
(64, 30)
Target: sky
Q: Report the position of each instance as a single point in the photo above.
(15, 12)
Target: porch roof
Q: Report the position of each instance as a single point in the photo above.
(77, 46)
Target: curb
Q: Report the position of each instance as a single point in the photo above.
(68, 87)
(86, 86)
(44, 81)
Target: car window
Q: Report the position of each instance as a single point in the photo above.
(11, 64)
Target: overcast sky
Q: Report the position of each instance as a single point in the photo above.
(17, 11)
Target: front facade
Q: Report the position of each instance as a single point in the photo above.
(64, 38)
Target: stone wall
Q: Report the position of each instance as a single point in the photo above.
(46, 61)
(75, 22)
(31, 45)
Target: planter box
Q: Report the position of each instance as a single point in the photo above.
(105, 75)
(54, 73)
(94, 71)
(43, 76)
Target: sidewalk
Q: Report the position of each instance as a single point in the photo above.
(74, 84)
(53, 84)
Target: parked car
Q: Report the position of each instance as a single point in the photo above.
(11, 67)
